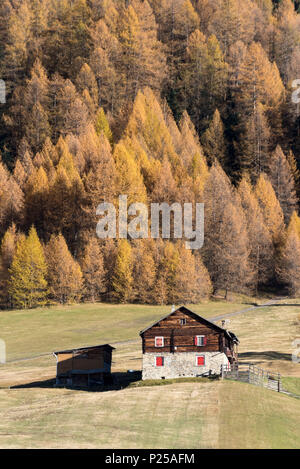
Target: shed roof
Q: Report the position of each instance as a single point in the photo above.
(185, 310)
(90, 347)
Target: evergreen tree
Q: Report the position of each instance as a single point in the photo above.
(19, 174)
(261, 254)
(102, 125)
(36, 199)
(99, 181)
(28, 114)
(283, 183)
(186, 142)
(199, 174)
(103, 61)
(286, 36)
(204, 284)
(226, 248)
(11, 199)
(166, 287)
(270, 207)
(122, 281)
(86, 81)
(294, 223)
(192, 282)
(255, 148)
(213, 141)
(27, 283)
(204, 78)
(128, 175)
(68, 40)
(288, 264)
(7, 251)
(64, 273)
(143, 272)
(92, 266)
(66, 200)
(295, 171)
(233, 21)
(18, 36)
(165, 188)
(142, 61)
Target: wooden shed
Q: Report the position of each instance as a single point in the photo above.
(185, 344)
(84, 366)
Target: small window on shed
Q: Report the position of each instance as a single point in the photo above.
(200, 360)
(200, 340)
(159, 341)
(159, 361)
(183, 322)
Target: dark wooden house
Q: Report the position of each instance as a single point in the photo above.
(185, 344)
(84, 366)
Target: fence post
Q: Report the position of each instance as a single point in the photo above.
(279, 382)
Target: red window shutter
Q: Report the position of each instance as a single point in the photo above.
(196, 340)
(159, 341)
(204, 340)
(200, 361)
(159, 361)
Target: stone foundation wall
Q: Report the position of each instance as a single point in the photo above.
(177, 365)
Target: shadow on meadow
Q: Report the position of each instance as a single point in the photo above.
(116, 382)
(248, 357)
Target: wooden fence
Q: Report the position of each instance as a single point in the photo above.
(254, 375)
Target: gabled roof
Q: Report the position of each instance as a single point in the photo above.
(187, 311)
(85, 348)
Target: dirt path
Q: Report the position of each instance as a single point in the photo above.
(236, 313)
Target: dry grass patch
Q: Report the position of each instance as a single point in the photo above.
(254, 417)
(266, 337)
(184, 416)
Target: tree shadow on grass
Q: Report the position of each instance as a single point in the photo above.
(115, 382)
(260, 357)
(280, 304)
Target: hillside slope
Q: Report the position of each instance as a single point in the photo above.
(183, 415)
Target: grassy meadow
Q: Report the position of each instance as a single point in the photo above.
(203, 414)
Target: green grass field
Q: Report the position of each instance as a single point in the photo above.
(32, 332)
(203, 414)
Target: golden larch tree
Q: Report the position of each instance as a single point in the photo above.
(27, 283)
(64, 273)
(92, 266)
(122, 281)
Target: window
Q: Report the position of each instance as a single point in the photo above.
(183, 322)
(159, 341)
(159, 361)
(200, 340)
(200, 360)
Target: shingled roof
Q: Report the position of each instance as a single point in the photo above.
(185, 310)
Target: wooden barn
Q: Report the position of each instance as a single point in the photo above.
(84, 366)
(185, 344)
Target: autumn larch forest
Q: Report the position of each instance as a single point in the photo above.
(162, 100)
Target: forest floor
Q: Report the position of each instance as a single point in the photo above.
(211, 414)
